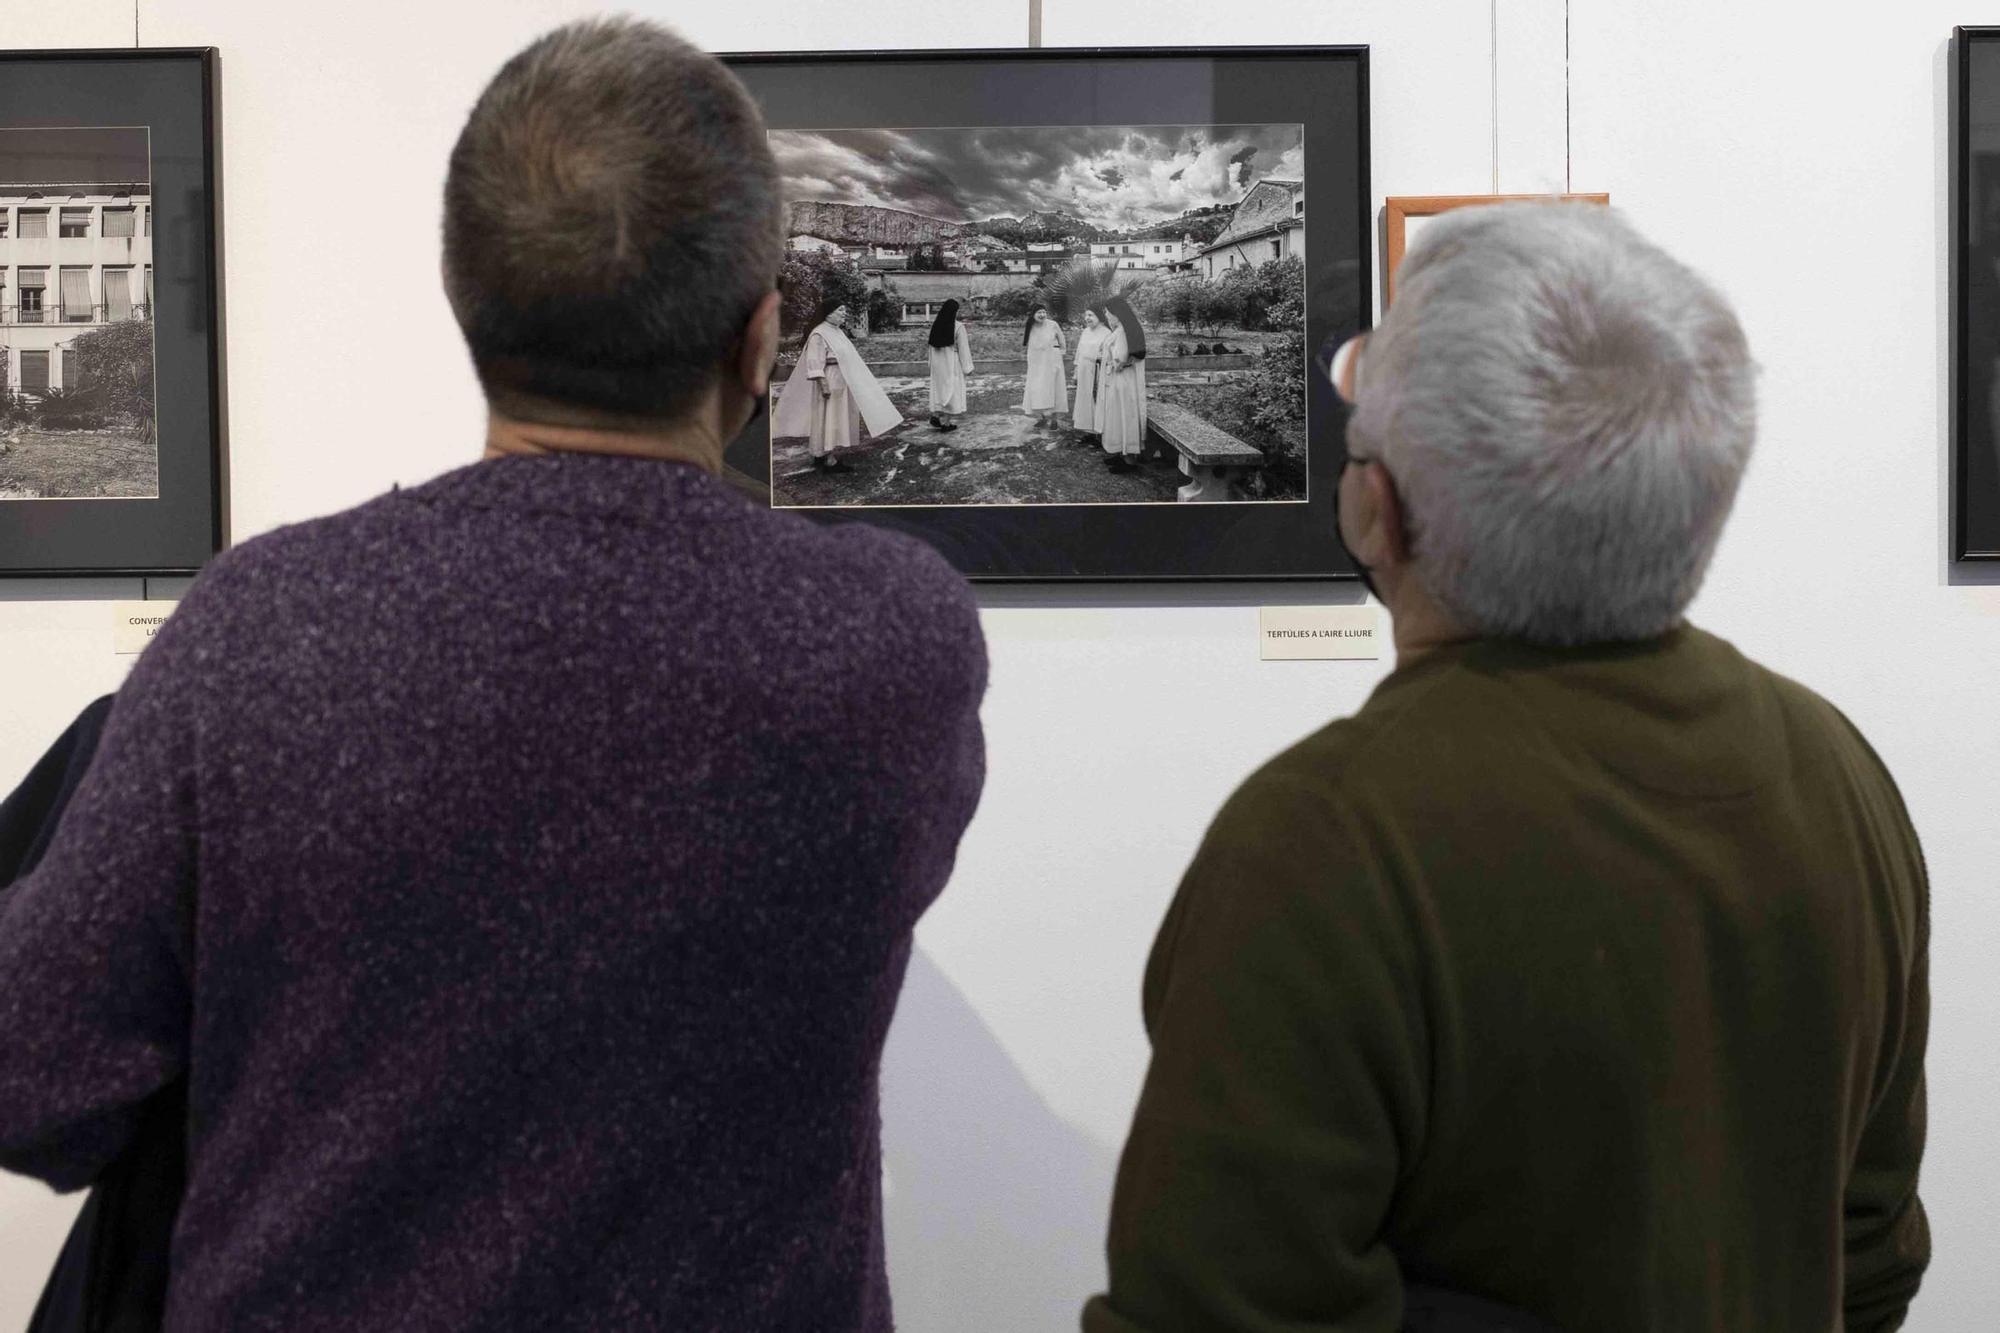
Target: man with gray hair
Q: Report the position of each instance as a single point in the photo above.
(468, 853)
(1580, 979)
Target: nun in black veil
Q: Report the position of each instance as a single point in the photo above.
(951, 362)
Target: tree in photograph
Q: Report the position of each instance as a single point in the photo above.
(1262, 289)
(1174, 300)
(927, 259)
(884, 311)
(1014, 303)
(812, 276)
(994, 266)
(110, 373)
(1273, 393)
(1216, 304)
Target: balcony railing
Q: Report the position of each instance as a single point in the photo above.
(58, 314)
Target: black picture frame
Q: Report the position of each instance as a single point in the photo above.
(173, 92)
(1975, 296)
(1324, 88)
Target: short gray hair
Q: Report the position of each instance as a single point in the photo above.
(1566, 411)
(612, 217)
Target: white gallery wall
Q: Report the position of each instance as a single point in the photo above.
(1797, 159)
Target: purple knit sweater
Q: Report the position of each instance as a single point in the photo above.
(522, 869)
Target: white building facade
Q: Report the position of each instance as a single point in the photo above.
(1144, 252)
(1269, 223)
(73, 257)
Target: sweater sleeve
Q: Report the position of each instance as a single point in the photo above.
(1888, 1240)
(1887, 1235)
(1286, 1086)
(95, 944)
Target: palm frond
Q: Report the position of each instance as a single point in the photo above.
(1076, 287)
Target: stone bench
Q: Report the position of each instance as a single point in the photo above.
(1207, 453)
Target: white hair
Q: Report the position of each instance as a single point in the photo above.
(1566, 411)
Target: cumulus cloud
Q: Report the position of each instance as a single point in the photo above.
(1116, 177)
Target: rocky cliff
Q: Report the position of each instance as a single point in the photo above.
(866, 224)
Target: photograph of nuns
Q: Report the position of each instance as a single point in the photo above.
(1042, 316)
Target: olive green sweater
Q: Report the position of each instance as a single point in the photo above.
(1589, 981)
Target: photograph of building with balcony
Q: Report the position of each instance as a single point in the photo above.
(1047, 315)
(76, 315)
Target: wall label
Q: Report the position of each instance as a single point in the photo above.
(1297, 633)
(133, 624)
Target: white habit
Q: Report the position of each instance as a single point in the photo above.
(1122, 406)
(1046, 390)
(832, 422)
(949, 367)
(1089, 377)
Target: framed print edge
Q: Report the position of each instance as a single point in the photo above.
(212, 453)
(1345, 108)
(1958, 544)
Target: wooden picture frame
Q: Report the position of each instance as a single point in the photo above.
(1397, 211)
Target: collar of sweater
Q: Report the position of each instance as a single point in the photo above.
(588, 486)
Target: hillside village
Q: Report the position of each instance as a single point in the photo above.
(917, 262)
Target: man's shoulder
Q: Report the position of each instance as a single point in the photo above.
(1826, 744)
(1412, 716)
(1812, 722)
(858, 560)
(287, 560)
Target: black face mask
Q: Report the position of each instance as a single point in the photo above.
(1367, 572)
(757, 411)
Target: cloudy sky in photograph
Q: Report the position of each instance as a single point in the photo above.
(1113, 176)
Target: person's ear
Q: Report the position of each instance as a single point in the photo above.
(1377, 530)
(1394, 518)
(759, 352)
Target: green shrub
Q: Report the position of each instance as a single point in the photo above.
(883, 313)
(69, 409)
(812, 276)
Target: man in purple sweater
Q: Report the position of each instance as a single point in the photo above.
(521, 868)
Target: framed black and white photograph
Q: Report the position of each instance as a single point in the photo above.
(110, 379)
(1975, 474)
(1057, 311)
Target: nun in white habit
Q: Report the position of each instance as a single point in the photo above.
(1089, 371)
(1122, 405)
(1045, 393)
(831, 395)
(951, 362)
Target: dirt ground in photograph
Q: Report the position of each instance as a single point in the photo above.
(998, 455)
(78, 464)
(1000, 340)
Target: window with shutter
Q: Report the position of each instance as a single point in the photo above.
(34, 372)
(118, 221)
(117, 293)
(34, 224)
(75, 222)
(76, 296)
